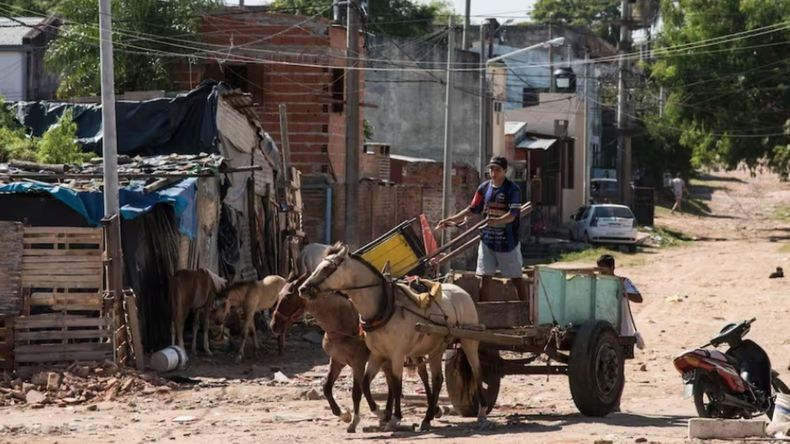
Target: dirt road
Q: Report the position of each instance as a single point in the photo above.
(690, 292)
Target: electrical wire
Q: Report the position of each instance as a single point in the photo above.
(665, 51)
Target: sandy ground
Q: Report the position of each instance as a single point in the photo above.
(690, 292)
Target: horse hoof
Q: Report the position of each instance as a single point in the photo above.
(352, 428)
(345, 416)
(425, 426)
(438, 412)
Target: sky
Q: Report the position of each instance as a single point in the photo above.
(480, 9)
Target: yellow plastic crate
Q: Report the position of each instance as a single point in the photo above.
(397, 251)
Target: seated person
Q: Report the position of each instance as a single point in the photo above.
(605, 264)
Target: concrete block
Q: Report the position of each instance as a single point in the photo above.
(705, 428)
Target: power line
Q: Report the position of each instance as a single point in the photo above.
(199, 50)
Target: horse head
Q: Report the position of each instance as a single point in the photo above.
(324, 274)
(290, 307)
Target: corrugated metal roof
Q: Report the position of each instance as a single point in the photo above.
(12, 32)
(411, 159)
(536, 143)
(513, 127)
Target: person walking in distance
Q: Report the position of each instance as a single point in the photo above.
(499, 200)
(678, 188)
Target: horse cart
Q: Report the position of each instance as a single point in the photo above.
(568, 326)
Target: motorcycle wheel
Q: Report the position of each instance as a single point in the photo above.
(706, 393)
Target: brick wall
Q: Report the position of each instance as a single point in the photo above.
(272, 54)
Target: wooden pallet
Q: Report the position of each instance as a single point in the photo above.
(63, 318)
(57, 338)
(62, 257)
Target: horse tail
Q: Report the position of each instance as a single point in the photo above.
(465, 372)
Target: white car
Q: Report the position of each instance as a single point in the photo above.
(605, 224)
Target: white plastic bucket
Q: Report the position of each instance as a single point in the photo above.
(169, 358)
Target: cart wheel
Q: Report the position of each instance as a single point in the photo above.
(596, 370)
(458, 375)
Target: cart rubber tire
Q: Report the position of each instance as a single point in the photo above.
(596, 369)
(458, 375)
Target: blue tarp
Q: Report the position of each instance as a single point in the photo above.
(134, 201)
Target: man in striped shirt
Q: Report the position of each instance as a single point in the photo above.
(499, 200)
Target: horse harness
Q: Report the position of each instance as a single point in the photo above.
(388, 306)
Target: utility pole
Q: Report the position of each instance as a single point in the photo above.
(352, 122)
(551, 59)
(483, 116)
(586, 138)
(109, 138)
(623, 125)
(112, 221)
(465, 41)
(447, 178)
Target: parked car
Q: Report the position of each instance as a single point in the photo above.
(604, 190)
(604, 223)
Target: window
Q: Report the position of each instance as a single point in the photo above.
(324, 148)
(568, 170)
(621, 212)
(529, 97)
(338, 84)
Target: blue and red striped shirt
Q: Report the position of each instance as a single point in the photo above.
(494, 202)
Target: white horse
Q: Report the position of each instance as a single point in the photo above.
(389, 318)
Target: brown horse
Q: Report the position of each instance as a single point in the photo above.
(342, 342)
(253, 297)
(390, 318)
(193, 290)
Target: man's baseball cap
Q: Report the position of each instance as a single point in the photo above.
(499, 161)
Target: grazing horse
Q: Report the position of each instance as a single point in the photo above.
(389, 318)
(193, 290)
(253, 296)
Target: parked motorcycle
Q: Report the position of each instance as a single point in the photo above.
(737, 383)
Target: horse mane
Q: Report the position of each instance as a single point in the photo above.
(219, 282)
(234, 287)
(335, 248)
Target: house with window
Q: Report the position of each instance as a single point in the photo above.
(23, 41)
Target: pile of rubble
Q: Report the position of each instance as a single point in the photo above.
(80, 383)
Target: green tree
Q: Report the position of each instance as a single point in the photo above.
(405, 18)
(59, 143)
(143, 58)
(601, 16)
(728, 102)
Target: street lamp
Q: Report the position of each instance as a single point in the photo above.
(559, 41)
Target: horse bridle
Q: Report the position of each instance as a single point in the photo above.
(334, 264)
(386, 308)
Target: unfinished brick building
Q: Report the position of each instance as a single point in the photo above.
(299, 62)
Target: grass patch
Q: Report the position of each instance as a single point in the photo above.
(588, 255)
(669, 238)
(781, 213)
